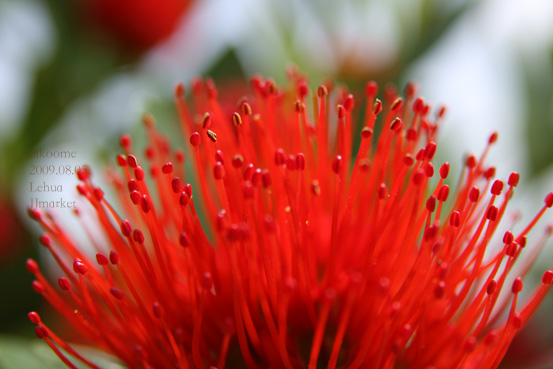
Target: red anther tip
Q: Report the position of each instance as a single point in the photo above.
(547, 277)
(64, 284)
(291, 162)
(349, 102)
(236, 119)
(79, 267)
(315, 188)
(157, 309)
(98, 193)
(184, 199)
(455, 219)
(513, 179)
(408, 160)
(150, 153)
(371, 89)
(443, 193)
(396, 104)
(179, 155)
(206, 281)
(300, 161)
(237, 161)
(420, 154)
(145, 203)
(511, 249)
(256, 178)
(497, 187)
(195, 139)
(131, 161)
(247, 190)
(396, 124)
(45, 240)
(470, 344)
(337, 164)
(133, 185)
(471, 162)
(41, 332)
(431, 204)
(188, 189)
(31, 266)
(429, 170)
(377, 107)
(114, 257)
(176, 185)
(444, 170)
(418, 105)
(211, 135)
(341, 111)
(266, 178)
(139, 174)
(489, 173)
(521, 241)
(491, 214)
(101, 259)
(517, 285)
(184, 241)
(83, 174)
(116, 292)
(493, 138)
(219, 157)
(549, 200)
(121, 160)
(441, 111)
(38, 287)
(167, 168)
(382, 191)
(492, 286)
(218, 171)
(474, 194)
(410, 89)
(125, 141)
(299, 106)
(135, 197)
(126, 228)
(508, 238)
(280, 157)
(34, 214)
(303, 90)
(439, 290)
(366, 132)
(34, 317)
(322, 91)
(418, 177)
(138, 236)
(179, 90)
(431, 233)
(430, 150)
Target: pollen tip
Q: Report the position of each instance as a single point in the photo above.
(34, 317)
(517, 285)
(195, 139)
(212, 135)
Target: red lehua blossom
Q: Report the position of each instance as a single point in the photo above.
(138, 24)
(298, 261)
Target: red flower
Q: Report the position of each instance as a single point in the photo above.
(136, 24)
(295, 260)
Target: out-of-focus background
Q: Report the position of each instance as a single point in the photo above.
(76, 74)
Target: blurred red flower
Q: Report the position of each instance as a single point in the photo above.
(136, 24)
(305, 255)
